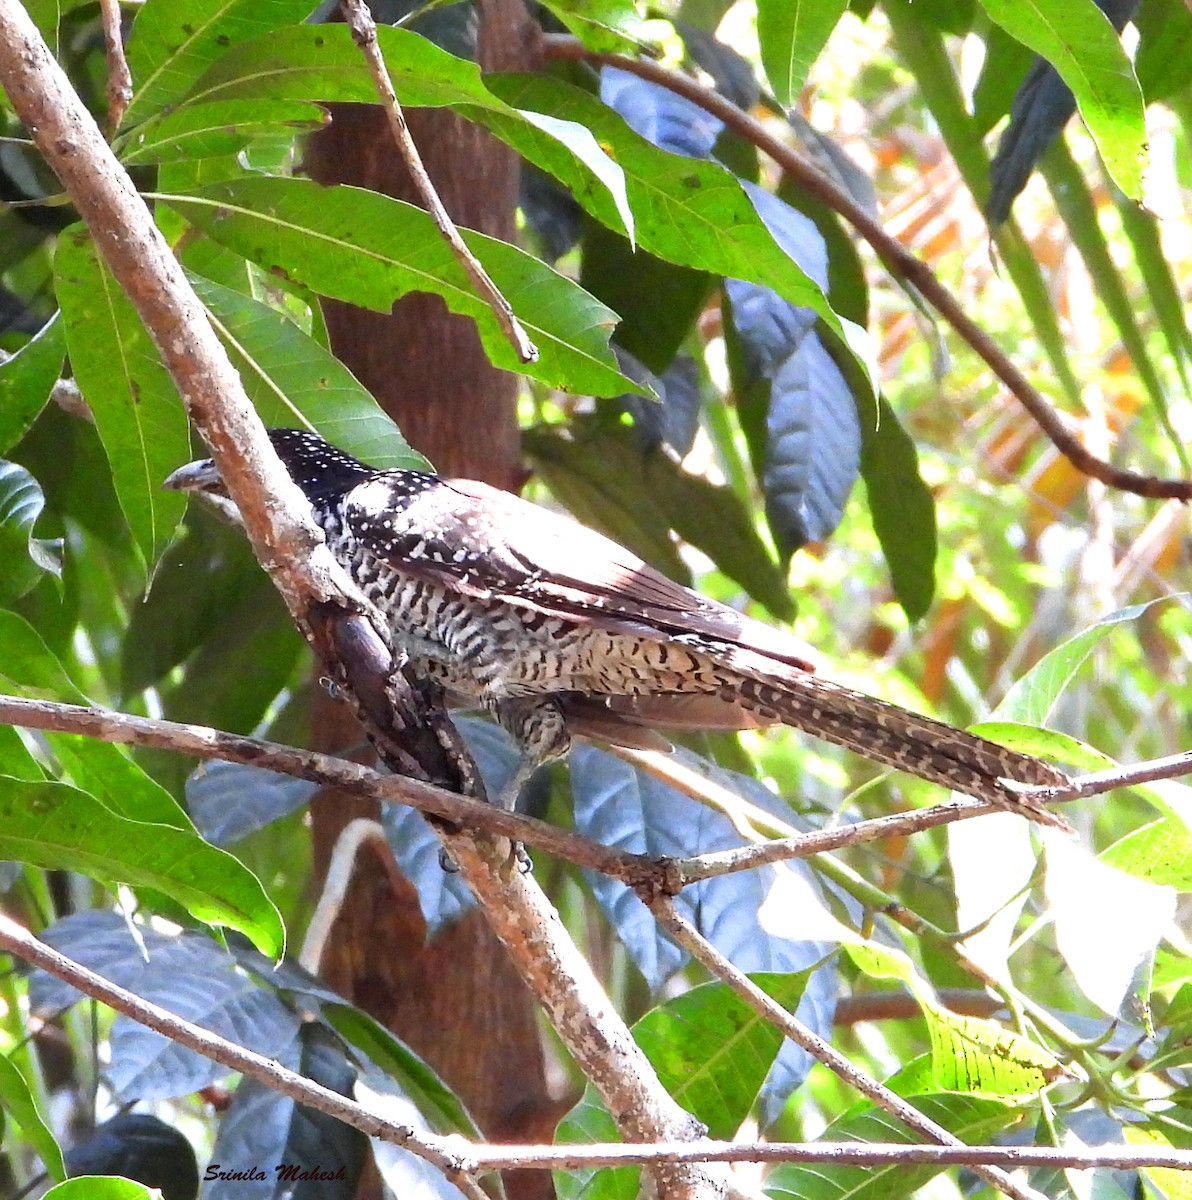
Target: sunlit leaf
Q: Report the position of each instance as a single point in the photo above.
(198, 131)
(1032, 697)
(791, 34)
(174, 41)
(369, 249)
(137, 409)
(55, 826)
(1076, 37)
(16, 1100)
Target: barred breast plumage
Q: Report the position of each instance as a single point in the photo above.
(557, 629)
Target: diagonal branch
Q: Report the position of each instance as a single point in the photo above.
(897, 258)
(345, 632)
(634, 870)
(342, 774)
(364, 34)
(687, 936)
(22, 944)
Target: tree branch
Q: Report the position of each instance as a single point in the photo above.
(119, 89)
(364, 34)
(346, 634)
(202, 742)
(687, 936)
(868, 1154)
(897, 258)
(635, 870)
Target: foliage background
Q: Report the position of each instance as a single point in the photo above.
(973, 550)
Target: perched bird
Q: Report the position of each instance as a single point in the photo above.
(558, 630)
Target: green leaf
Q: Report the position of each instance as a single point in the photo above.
(28, 668)
(589, 1121)
(658, 301)
(15, 758)
(968, 1054)
(1160, 852)
(295, 382)
(213, 130)
(638, 496)
(174, 41)
(696, 212)
(791, 34)
(107, 773)
(436, 1102)
(1032, 697)
(1044, 743)
(972, 1055)
(1169, 1182)
(1142, 228)
(606, 26)
(55, 826)
(1006, 63)
(1164, 60)
(922, 49)
(902, 509)
(17, 1101)
(26, 380)
(687, 211)
(713, 1051)
(1076, 37)
(599, 491)
(973, 1119)
(137, 410)
(25, 557)
(101, 1187)
(1074, 202)
(369, 250)
(321, 62)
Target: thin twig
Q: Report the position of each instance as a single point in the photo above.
(687, 936)
(897, 258)
(364, 34)
(867, 1154)
(119, 88)
(818, 841)
(24, 945)
(1098, 782)
(354, 778)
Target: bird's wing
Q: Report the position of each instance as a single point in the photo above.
(482, 541)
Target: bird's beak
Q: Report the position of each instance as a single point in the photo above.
(199, 476)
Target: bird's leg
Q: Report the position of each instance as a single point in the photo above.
(539, 729)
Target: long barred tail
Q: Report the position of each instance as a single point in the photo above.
(908, 741)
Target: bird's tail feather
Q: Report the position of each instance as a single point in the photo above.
(907, 741)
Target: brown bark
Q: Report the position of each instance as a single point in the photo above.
(456, 1000)
(426, 366)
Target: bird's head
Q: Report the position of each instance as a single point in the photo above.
(316, 466)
